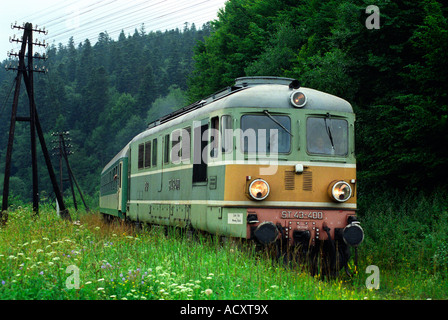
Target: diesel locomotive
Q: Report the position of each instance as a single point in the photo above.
(265, 160)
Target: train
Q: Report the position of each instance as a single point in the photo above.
(265, 160)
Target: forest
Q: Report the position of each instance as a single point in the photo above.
(103, 95)
(394, 76)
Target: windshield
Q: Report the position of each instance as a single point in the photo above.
(327, 136)
(263, 135)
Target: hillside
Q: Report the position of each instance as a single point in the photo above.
(103, 95)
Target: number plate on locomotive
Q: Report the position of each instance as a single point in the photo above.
(316, 215)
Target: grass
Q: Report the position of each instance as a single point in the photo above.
(115, 262)
(39, 258)
(407, 238)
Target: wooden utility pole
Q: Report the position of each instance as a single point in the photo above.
(63, 153)
(26, 71)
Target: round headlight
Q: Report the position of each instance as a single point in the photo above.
(259, 189)
(340, 191)
(298, 99)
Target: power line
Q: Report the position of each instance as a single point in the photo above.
(40, 13)
(184, 12)
(98, 22)
(79, 13)
(105, 14)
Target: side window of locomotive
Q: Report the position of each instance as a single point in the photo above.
(148, 154)
(214, 137)
(154, 152)
(263, 135)
(176, 150)
(141, 155)
(186, 143)
(226, 134)
(327, 136)
(166, 150)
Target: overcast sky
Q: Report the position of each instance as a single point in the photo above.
(87, 18)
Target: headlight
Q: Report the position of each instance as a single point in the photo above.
(298, 99)
(259, 189)
(340, 191)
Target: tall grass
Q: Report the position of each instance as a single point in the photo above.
(117, 262)
(407, 238)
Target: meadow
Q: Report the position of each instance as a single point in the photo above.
(47, 258)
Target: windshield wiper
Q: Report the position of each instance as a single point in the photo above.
(328, 129)
(266, 112)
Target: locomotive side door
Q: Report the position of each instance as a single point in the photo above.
(199, 163)
(120, 186)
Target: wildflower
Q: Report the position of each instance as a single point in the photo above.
(41, 273)
(102, 279)
(208, 291)
(113, 296)
(97, 228)
(3, 282)
(100, 289)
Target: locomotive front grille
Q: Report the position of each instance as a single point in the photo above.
(290, 180)
(307, 181)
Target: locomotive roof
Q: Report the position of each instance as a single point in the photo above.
(269, 93)
(261, 92)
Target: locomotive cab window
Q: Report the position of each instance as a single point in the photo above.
(263, 135)
(327, 136)
(214, 137)
(180, 145)
(226, 134)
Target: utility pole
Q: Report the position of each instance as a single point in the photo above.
(26, 71)
(63, 152)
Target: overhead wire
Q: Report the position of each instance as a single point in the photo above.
(113, 19)
(144, 19)
(55, 8)
(79, 12)
(156, 19)
(97, 22)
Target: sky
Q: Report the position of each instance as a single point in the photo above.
(84, 19)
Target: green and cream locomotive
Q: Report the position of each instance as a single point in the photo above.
(264, 159)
